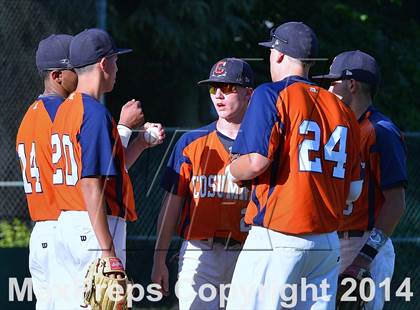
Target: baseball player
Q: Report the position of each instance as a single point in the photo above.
(92, 185)
(34, 151)
(209, 206)
(299, 145)
(369, 221)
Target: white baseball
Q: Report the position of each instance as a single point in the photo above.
(151, 135)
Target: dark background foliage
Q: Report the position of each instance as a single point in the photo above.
(176, 43)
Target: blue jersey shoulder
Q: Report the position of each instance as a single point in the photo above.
(93, 109)
(97, 140)
(383, 126)
(391, 147)
(192, 135)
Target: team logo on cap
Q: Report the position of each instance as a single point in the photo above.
(220, 69)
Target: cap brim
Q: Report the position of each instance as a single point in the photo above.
(210, 81)
(329, 77)
(268, 44)
(123, 51)
(206, 82)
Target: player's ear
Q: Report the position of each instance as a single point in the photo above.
(56, 76)
(279, 56)
(103, 64)
(353, 86)
(249, 92)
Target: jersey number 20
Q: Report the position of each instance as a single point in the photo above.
(338, 136)
(59, 147)
(64, 146)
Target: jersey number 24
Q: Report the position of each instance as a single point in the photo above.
(338, 136)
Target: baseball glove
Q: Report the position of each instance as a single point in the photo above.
(357, 274)
(103, 291)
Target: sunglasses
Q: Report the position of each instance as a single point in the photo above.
(224, 88)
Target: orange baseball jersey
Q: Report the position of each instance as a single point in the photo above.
(86, 143)
(313, 141)
(384, 159)
(213, 207)
(33, 147)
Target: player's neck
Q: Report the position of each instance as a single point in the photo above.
(291, 71)
(88, 84)
(52, 89)
(360, 105)
(228, 128)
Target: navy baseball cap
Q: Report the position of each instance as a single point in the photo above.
(353, 65)
(232, 71)
(294, 39)
(53, 53)
(91, 45)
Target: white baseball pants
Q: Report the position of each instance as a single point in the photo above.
(205, 270)
(279, 271)
(76, 248)
(42, 262)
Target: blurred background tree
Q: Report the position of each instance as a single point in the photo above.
(177, 41)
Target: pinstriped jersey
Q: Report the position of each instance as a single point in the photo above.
(86, 143)
(313, 140)
(384, 159)
(213, 207)
(33, 147)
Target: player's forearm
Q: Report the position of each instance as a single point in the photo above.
(166, 227)
(387, 220)
(92, 189)
(134, 150)
(392, 210)
(249, 166)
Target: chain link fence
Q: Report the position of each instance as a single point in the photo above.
(23, 23)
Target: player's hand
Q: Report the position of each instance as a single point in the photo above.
(229, 175)
(108, 252)
(101, 279)
(360, 262)
(356, 272)
(160, 275)
(159, 130)
(233, 157)
(131, 114)
(111, 275)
